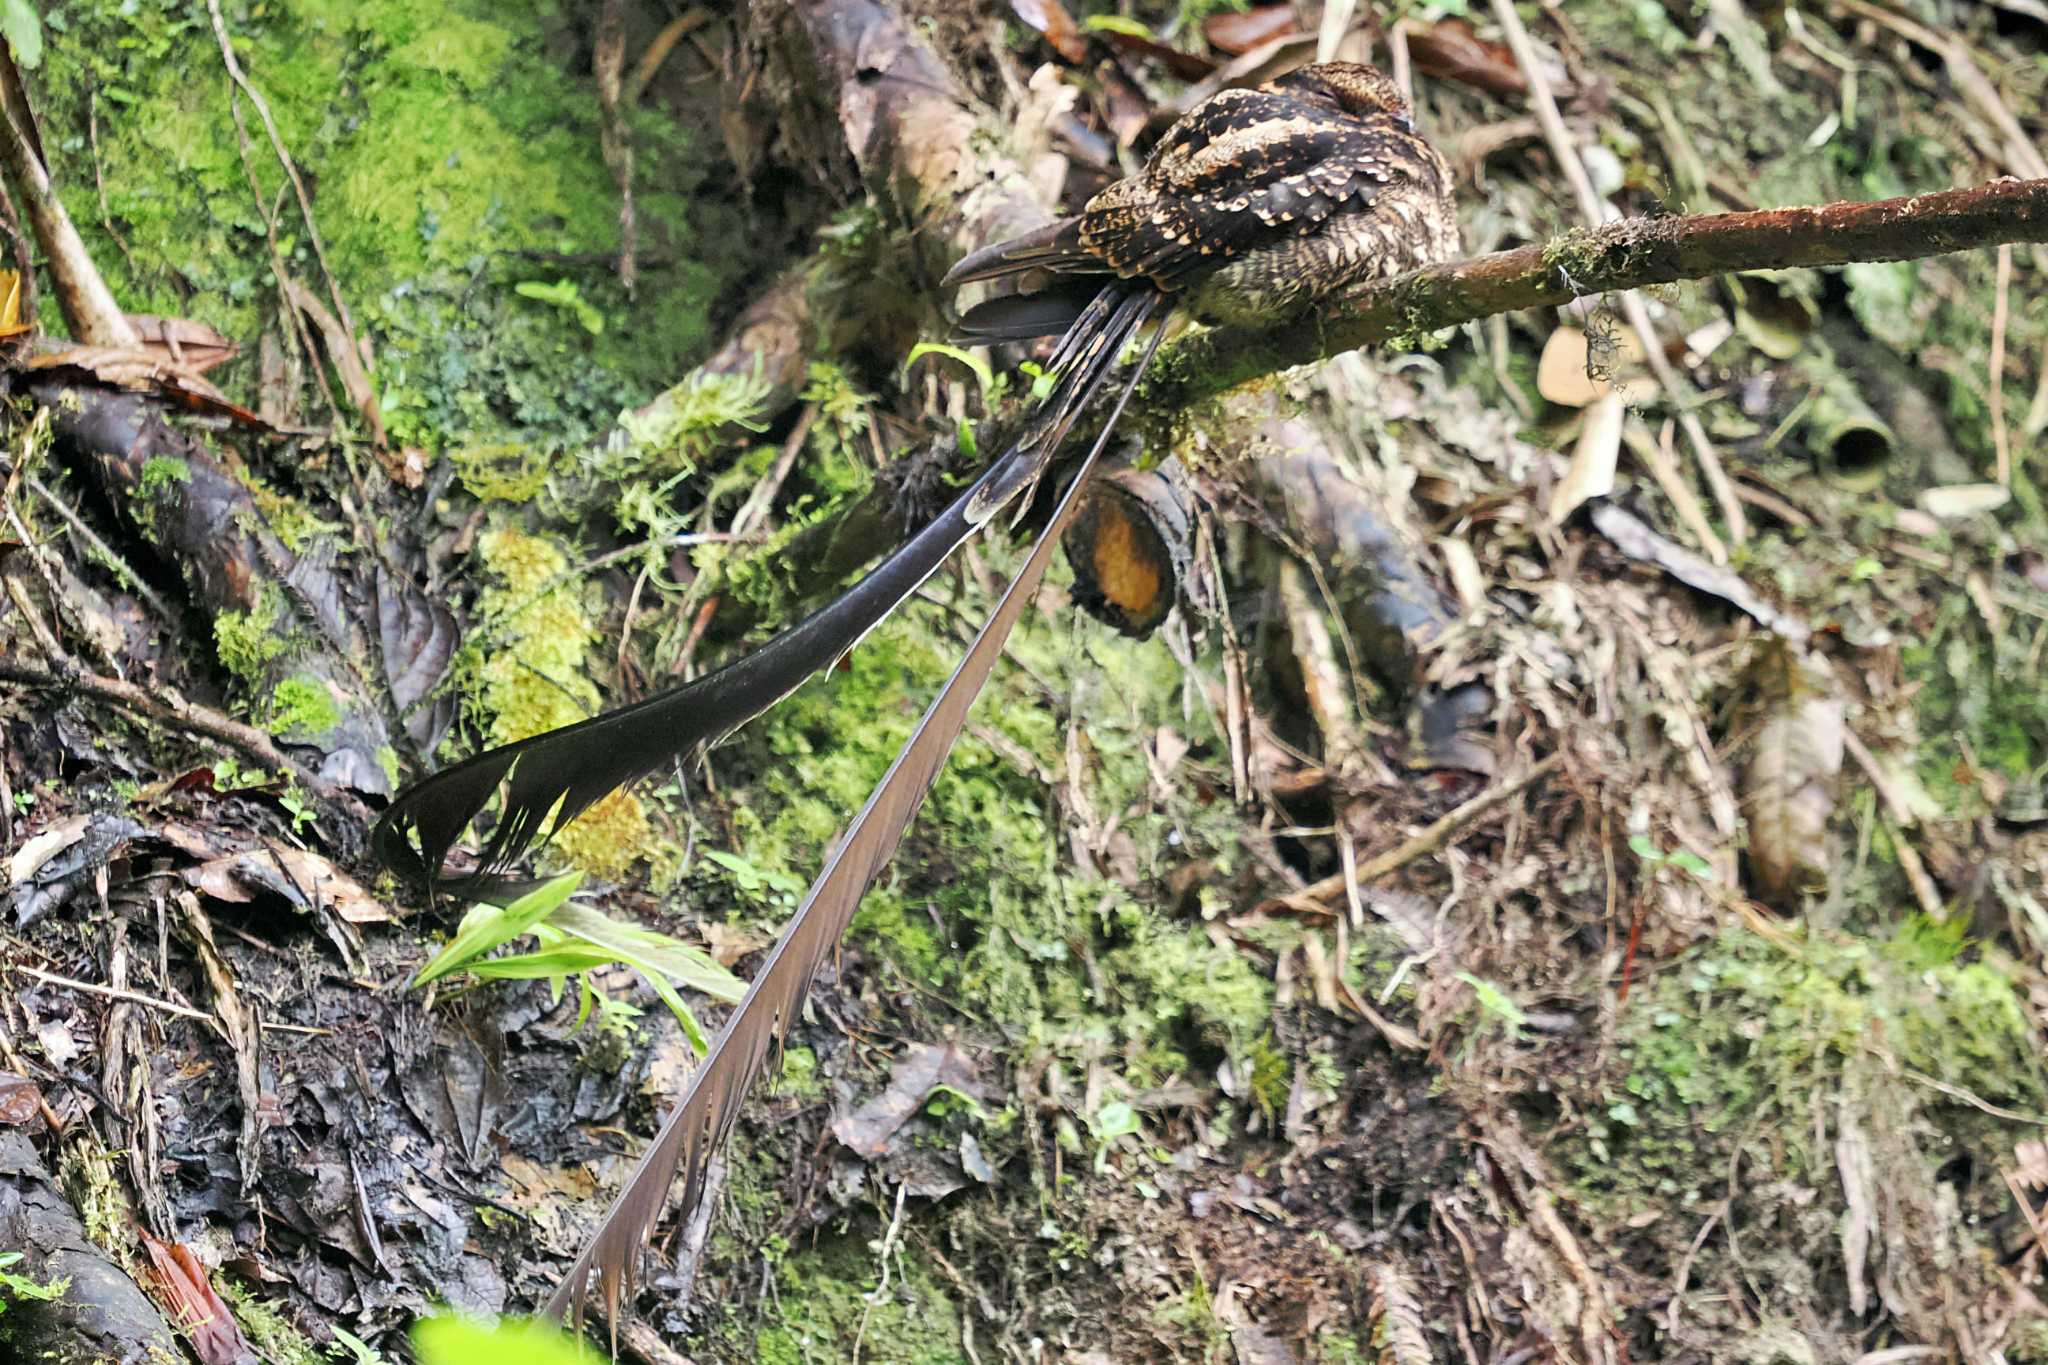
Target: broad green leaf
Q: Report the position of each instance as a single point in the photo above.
(451, 1340)
(982, 373)
(488, 926)
(22, 27)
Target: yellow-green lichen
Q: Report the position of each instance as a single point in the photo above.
(532, 677)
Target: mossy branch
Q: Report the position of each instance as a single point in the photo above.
(1630, 254)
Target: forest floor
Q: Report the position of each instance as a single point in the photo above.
(1721, 1040)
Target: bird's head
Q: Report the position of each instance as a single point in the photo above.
(1356, 89)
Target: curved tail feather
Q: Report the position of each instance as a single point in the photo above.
(702, 1120)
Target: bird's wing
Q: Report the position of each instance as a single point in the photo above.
(1056, 247)
(1244, 169)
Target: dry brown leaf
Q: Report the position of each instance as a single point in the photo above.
(1237, 33)
(1451, 50)
(348, 362)
(1051, 19)
(866, 1131)
(1570, 375)
(20, 1101)
(305, 879)
(1790, 782)
(1594, 458)
(192, 1305)
(33, 853)
(190, 346)
(12, 324)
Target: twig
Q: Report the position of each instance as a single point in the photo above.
(109, 992)
(1999, 440)
(1630, 254)
(291, 169)
(118, 566)
(1431, 839)
(169, 708)
(1596, 212)
(88, 305)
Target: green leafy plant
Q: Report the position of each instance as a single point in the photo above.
(565, 295)
(1653, 857)
(1496, 1004)
(571, 941)
(350, 1347)
(21, 1287)
(1112, 1121)
(452, 1340)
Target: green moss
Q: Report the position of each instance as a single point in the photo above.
(274, 1338)
(829, 1298)
(302, 708)
(161, 473)
(1746, 1031)
(440, 141)
(247, 641)
(978, 905)
(527, 671)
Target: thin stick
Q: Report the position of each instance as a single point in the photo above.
(1999, 441)
(132, 997)
(1597, 212)
(168, 707)
(291, 169)
(1431, 839)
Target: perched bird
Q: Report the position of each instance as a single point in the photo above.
(1256, 204)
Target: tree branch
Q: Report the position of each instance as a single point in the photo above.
(1631, 254)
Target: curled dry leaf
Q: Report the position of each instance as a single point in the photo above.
(20, 1101)
(191, 346)
(1594, 458)
(867, 1130)
(1572, 373)
(1635, 539)
(193, 1306)
(1051, 19)
(1790, 783)
(1238, 33)
(303, 878)
(1451, 50)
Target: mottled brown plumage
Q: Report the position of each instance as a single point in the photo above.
(1255, 205)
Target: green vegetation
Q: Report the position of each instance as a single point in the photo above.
(1745, 1036)
(451, 146)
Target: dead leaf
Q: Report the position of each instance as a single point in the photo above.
(1050, 18)
(1790, 782)
(728, 943)
(30, 857)
(1950, 501)
(12, 324)
(192, 1305)
(1451, 50)
(1594, 458)
(57, 1043)
(1185, 65)
(866, 1131)
(303, 878)
(348, 362)
(192, 347)
(20, 1101)
(1635, 539)
(1239, 33)
(1571, 373)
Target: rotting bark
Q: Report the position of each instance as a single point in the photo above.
(206, 520)
(101, 1315)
